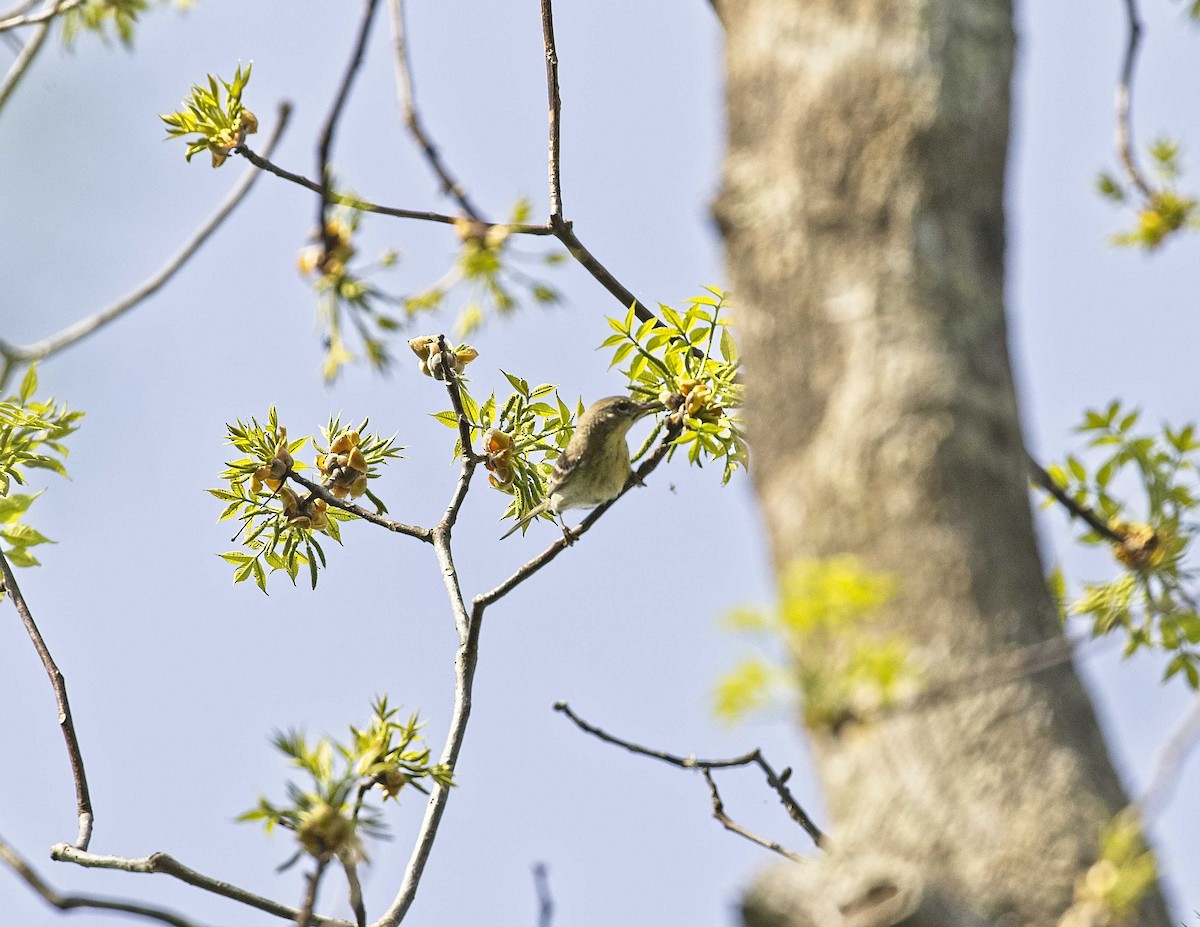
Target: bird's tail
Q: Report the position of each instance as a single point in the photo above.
(533, 513)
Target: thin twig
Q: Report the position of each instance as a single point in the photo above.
(161, 863)
(316, 489)
(83, 800)
(1041, 477)
(541, 887)
(262, 163)
(1124, 101)
(563, 229)
(23, 870)
(356, 893)
(731, 825)
(14, 355)
(404, 90)
(32, 46)
(15, 20)
(1165, 775)
(325, 142)
(312, 883)
(996, 671)
(20, 9)
(776, 781)
(555, 99)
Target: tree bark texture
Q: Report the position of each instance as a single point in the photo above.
(864, 228)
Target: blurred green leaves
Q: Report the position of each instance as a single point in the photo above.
(1161, 209)
(823, 648)
(329, 814)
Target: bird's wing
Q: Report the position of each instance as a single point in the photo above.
(563, 468)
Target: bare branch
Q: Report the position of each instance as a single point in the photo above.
(1124, 101)
(83, 800)
(14, 355)
(32, 46)
(312, 883)
(19, 10)
(15, 20)
(541, 885)
(1166, 767)
(21, 867)
(777, 781)
(404, 90)
(356, 892)
(465, 662)
(316, 489)
(555, 98)
(161, 863)
(325, 143)
(365, 206)
(730, 825)
(1042, 478)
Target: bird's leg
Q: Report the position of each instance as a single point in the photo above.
(569, 534)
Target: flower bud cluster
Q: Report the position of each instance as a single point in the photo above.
(432, 361)
(344, 466)
(1141, 547)
(481, 234)
(498, 448)
(225, 141)
(331, 256)
(693, 400)
(309, 512)
(272, 474)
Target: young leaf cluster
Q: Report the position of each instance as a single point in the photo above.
(825, 650)
(345, 293)
(280, 525)
(31, 436)
(690, 363)
(221, 124)
(1161, 211)
(1149, 599)
(329, 814)
(1114, 886)
(520, 439)
(487, 268)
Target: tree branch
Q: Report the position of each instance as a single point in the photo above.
(1042, 478)
(541, 886)
(316, 489)
(1124, 101)
(15, 20)
(731, 825)
(404, 91)
(161, 863)
(555, 99)
(29, 52)
(312, 884)
(24, 871)
(14, 355)
(262, 163)
(777, 781)
(325, 143)
(83, 800)
(1166, 767)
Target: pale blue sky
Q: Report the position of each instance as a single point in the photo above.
(178, 679)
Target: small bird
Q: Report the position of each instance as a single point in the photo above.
(595, 466)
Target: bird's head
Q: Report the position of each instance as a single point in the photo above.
(615, 414)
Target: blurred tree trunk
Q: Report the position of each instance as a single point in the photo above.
(864, 228)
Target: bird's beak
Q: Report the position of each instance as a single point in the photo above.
(646, 408)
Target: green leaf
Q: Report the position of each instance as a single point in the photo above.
(29, 384)
(24, 536)
(12, 507)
